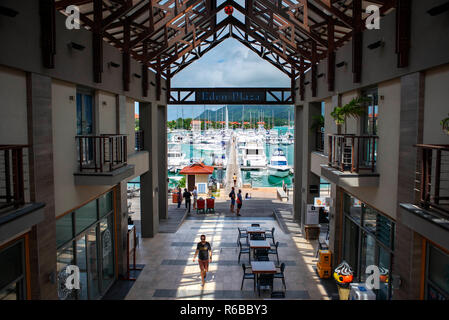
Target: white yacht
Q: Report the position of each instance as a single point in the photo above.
(253, 156)
(175, 159)
(278, 165)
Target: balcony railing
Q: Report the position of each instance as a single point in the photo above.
(352, 153)
(12, 187)
(104, 153)
(139, 140)
(433, 177)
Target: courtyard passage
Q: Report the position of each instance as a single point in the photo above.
(170, 273)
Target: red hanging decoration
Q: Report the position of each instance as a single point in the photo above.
(229, 10)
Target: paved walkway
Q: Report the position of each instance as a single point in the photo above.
(170, 273)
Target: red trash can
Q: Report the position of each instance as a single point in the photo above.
(175, 197)
(200, 205)
(210, 205)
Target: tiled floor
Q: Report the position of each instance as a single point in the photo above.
(170, 273)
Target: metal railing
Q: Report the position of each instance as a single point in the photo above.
(352, 153)
(104, 153)
(433, 177)
(12, 186)
(139, 140)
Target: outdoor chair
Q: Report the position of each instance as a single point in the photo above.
(274, 251)
(269, 234)
(280, 275)
(255, 225)
(245, 250)
(265, 280)
(248, 276)
(242, 234)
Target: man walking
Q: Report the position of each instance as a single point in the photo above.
(239, 202)
(179, 197)
(204, 253)
(195, 197)
(187, 196)
(232, 196)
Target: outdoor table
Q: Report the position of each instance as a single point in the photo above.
(252, 231)
(258, 244)
(262, 267)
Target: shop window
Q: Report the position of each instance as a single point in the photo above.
(353, 207)
(64, 258)
(105, 204)
(12, 272)
(64, 229)
(85, 216)
(351, 244)
(437, 274)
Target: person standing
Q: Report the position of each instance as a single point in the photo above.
(195, 197)
(204, 253)
(232, 196)
(234, 177)
(179, 197)
(187, 196)
(239, 202)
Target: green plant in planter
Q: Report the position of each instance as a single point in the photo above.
(317, 123)
(445, 125)
(354, 109)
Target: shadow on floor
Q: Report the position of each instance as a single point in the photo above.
(121, 287)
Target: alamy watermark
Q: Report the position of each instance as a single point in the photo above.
(73, 18)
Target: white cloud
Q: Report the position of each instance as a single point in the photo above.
(231, 65)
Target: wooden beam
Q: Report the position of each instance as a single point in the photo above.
(302, 76)
(158, 80)
(403, 26)
(48, 32)
(314, 68)
(145, 71)
(331, 55)
(126, 55)
(97, 41)
(357, 41)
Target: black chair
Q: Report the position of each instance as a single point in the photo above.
(257, 236)
(242, 234)
(265, 280)
(245, 250)
(269, 234)
(274, 251)
(248, 276)
(280, 275)
(261, 254)
(255, 225)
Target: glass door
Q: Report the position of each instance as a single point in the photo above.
(92, 263)
(107, 253)
(85, 122)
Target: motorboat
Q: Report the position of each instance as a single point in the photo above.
(278, 165)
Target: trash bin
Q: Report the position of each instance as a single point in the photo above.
(175, 197)
(200, 205)
(210, 205)
(359, 291)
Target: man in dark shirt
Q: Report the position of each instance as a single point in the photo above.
(232, 196)
(204, 253)
(187, 195)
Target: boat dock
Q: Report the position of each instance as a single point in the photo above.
(233, 167)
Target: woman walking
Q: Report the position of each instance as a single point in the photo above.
(239, 202)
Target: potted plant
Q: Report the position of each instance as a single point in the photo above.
(317, 123)
(445, 125)
(354, 109)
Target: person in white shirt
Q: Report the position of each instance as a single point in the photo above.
(195, 197)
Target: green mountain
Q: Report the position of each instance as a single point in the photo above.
(280, 113)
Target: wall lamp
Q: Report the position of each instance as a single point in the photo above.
(76, 46)
(113, 64)
(4, 11)
(320, 75)
(138, 76)
(152, 83)
(341, 64)
(376, 45)
(435, 11)
(306, 83)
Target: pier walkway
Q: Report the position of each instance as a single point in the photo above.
(233, 167)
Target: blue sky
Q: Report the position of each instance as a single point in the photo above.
(230, 64)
